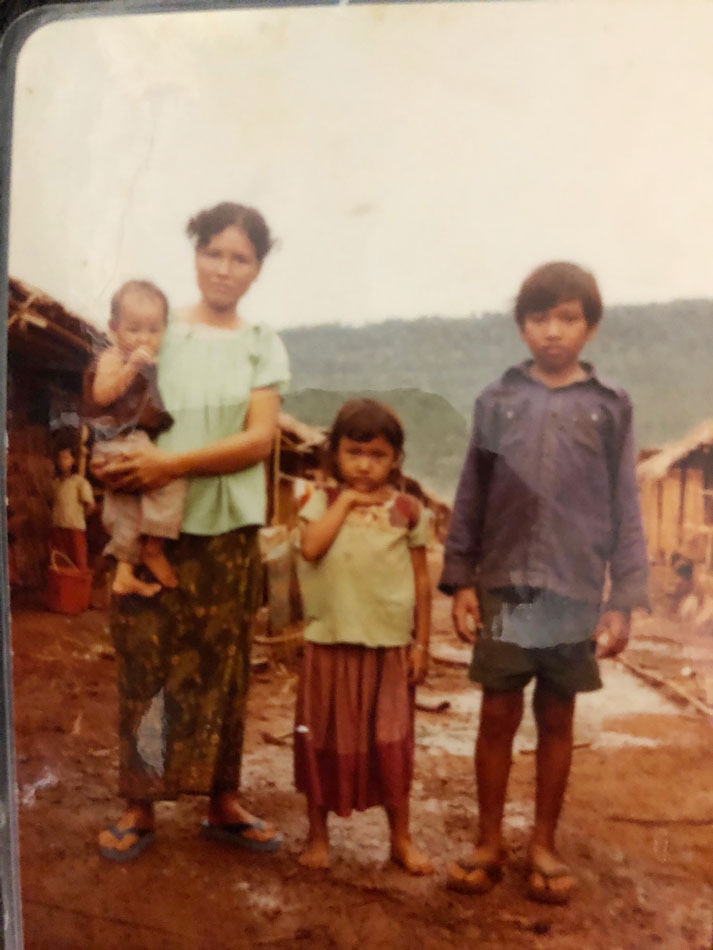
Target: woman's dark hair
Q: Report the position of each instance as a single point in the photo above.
(206, 224)
(363, 420)
(136, 286)
(556, 283)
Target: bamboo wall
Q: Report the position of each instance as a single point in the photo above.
(673, 514)
(29, 499)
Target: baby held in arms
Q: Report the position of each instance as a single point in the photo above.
(126, 411)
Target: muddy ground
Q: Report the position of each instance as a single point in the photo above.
(637, 824)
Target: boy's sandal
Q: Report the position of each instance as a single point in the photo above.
(144, 837)
(474, 877)
(539, 883)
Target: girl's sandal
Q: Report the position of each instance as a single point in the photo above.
(539, 884)
(468, 876)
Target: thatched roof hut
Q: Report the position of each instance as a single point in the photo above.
(676, 486)
(49, 348)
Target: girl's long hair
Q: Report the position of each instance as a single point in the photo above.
(363, 420)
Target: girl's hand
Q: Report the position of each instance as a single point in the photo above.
(466, 614)
(357, 499)
(139, 470)
(612, 633)
(418, 664)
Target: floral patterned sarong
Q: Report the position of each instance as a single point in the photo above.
(183, 661)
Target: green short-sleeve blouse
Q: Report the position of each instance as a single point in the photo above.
(362, 589)
(206, 376)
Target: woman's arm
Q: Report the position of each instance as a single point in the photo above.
(148, 468)
(317, 537)
(114, 374)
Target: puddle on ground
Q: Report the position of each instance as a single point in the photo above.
(454, 730)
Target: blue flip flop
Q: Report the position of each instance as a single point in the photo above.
(235, 834)
(143, 840)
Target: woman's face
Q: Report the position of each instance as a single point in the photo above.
(226, 267)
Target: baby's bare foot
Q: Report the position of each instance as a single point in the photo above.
(315, 855)
(407, 855)
(156, 561)
(126, 582)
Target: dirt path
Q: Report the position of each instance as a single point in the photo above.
(637, 826)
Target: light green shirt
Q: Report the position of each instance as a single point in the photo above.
(362, 589)
(206, 376)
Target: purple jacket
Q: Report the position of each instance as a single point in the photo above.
(547, 496)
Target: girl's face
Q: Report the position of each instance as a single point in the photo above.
(226, 267)
(365, 466)
(65, 462)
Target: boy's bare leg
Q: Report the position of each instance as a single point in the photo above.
(155, 559)
(316, 851)
(126, 582)
(500, 716)
(554, 715)
(403, 851)
(138, 815)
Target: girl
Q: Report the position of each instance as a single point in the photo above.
(362, 571)
(73, 501)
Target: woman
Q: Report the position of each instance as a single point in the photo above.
(184, 655)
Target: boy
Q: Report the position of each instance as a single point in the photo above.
(546, 507)
(121, 395)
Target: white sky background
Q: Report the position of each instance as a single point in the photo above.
(412, 159)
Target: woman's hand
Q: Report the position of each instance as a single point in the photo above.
(138, 470)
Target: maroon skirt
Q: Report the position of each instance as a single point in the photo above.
(354, 727)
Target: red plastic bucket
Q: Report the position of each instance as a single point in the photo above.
(68, 587)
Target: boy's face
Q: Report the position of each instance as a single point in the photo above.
(65, 461)
(555, 337)
(141, 322)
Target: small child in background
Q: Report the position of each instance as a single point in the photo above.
(122, 398)
(362, 574)
(73, 501)
(546, 507)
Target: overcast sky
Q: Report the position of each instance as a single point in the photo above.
(412, 159)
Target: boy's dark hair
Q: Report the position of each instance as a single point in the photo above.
(132, 286)
(363, 420)
(556, 283)
(206, 224)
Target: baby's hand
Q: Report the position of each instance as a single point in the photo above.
(466, 614)
(612, 634)
(418, 664)
(142, 356)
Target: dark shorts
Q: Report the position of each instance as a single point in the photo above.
(567, 669)
(502, 665)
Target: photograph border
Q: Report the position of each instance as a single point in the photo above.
(17, 25)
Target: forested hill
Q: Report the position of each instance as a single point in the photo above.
(662, 353)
